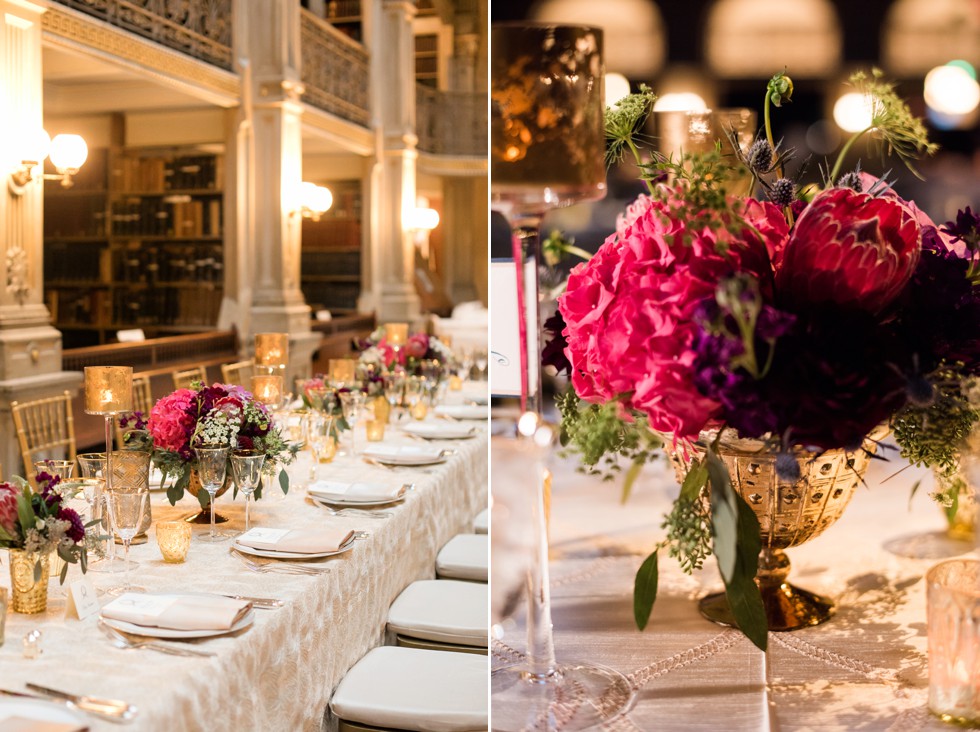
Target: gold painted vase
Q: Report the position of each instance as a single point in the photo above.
(194, 487)
(28, 596)
(789, 514)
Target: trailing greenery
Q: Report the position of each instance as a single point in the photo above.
(624, 122)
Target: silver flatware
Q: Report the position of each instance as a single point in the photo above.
(112, 710)
(378, 463)
(259, 603)
(278, 567)
(363, 513)
(124, 640)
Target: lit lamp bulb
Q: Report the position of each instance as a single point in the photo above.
(314, 200)
(68, 153)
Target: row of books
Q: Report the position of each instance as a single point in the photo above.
(76, 263)
(190, 218)
(188, 263)
(158, 174)
(77, 216)
(331, 295)
(330, 263)
(98, 308)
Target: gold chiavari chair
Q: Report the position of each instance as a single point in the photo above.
(239, 373)
(184, 379)
(45, 429)
(142, 403)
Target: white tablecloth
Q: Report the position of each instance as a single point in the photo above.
(866, 669)
(280, 674)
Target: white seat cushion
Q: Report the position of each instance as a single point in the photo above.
(464, 557)
(442, 610)
(412, 689)
(481, 524)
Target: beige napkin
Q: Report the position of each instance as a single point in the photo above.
(23, 724)
(177, 612)
(298, 541)
(360, 491)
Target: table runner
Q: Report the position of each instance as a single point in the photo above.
(866, 669)
(280, 674)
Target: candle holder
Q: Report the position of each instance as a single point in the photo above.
(173, 538)
(267, 389)
(375, 429)
(953, 596)
(396, 334)
(342, 371)
(271, 351)
(109, 391)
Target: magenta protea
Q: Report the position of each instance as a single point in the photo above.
(8, 508)
(850, 250)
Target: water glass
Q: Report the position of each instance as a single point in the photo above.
(352, 403)
(246, 467)
(953, 596)
(92, 467)
(212, 466)
(126, 512)
(319, 436)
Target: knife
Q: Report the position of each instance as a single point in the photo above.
(109, 709)
(259, 603)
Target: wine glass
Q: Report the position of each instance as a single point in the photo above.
(352, 403)
(212, 465)
(92, 466)
(547, 151)
(319, 436)
(246, 467)
(126, 511)
(394, 384)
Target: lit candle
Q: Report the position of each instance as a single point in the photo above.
(267, 389)
(108, 389)
(455, 383)
(272, 350)
(420, 410)
(342, 371)
(375, 430)
(396, 333)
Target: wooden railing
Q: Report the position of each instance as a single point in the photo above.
(155, 353)
(451, 123)
(198, 28)
(335, 70)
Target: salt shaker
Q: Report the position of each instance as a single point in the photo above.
(32, 644)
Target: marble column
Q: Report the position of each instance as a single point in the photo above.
(30, 348)
(390, 291)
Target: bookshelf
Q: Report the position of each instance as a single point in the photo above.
(330, 259)
(137, 244)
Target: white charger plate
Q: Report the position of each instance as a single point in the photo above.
(338, 500)
(38, 711)
(463, 411)
(444, 431)
(170, 633)
(269, 554)
(406, 455)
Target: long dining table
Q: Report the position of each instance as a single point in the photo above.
(280, 673)
(864, 669)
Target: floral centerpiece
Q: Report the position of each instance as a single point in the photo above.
(419, 347)
(220, 415)
(731, 298)
(38, 523)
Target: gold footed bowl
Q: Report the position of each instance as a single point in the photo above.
(789, 514)
(194, 487)
(28, 596)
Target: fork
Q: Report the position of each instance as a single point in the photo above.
(372, 461)
(352, 511)
(280, 568)
(121, 640)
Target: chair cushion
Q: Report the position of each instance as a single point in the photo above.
(481, 524)
(411, 689)
(465, 556)
(447, 611)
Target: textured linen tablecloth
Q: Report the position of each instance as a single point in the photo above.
(280, 673)
(866, 669)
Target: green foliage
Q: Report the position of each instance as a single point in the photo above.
(689, 532)
(780, 89)
(625, 121)
(645, 590)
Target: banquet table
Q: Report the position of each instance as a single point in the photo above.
(280, 673)
(865, 669)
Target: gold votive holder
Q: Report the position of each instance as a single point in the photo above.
(4, 601)
(420, 409)
(328, 450)
(267, 389)
(396, 333)
(375, 430)
(272, 350)
(455, 383)
(953, 605)
(173, 538)
(342, 371)
(108, 389)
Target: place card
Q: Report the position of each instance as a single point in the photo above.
(82, 599)
(149, 606)
(266, 536)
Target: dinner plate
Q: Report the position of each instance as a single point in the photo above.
(37, 711)
(269, 554)
(342, 499)
(351, 503)
(440, 430)
(406, 455)
(172, 634)
(462, 411)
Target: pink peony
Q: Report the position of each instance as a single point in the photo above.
(629, 313)
(850, 250)
(8, 508)
(417, 345)
(171, 424)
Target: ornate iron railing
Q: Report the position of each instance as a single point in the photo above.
(451, 123)
(198, 28)
(335, 70)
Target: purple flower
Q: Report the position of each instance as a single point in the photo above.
(966, 228)
(76, 529)
(553, 353)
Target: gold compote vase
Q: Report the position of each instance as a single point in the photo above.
(789, 512)
(27, 595)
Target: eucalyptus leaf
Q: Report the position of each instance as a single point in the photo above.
(645, 590)
(203, 497)
(694, 481)
(745, 601)
(631, 475)
(64, 573)
(284, 481)
(83, 560)
(724, 515)
(25, 513)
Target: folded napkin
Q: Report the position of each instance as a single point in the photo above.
(359, 491)
(297, 541)
(177, 612)
(26, 724)
(406, 454)
(462, 411)
(439, 429)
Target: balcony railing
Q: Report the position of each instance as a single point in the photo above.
(335, 70)
(198, 28)
(451, 123)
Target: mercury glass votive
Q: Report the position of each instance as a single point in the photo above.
(420, 410)
(375, 430)
(953, 597)
(174, 538)
(272, 350)
(343, 371)
(4, 600)
(396, 333)
(267, 389)
(108, 389)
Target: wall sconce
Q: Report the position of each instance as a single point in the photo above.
(314, 200)
(420, 221)
(68, 153)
